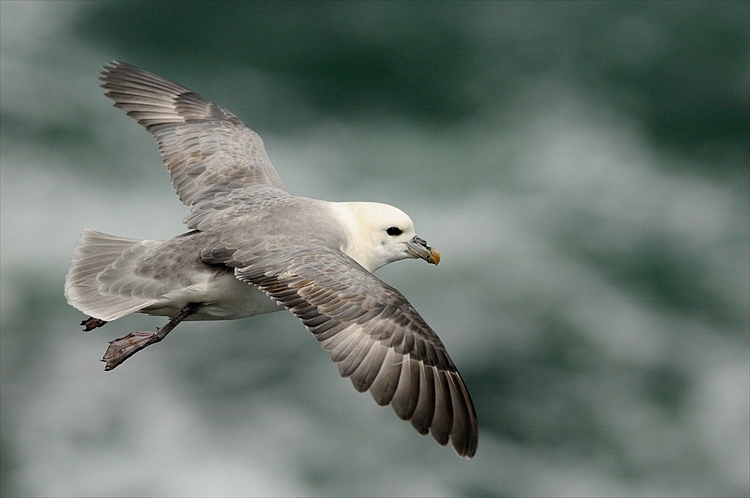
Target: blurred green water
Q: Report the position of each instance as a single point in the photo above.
(583, 167)
(679, 67)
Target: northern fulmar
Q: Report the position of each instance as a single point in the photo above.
(254, 248)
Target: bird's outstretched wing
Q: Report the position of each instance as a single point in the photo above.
(375, 336)
(207, 149)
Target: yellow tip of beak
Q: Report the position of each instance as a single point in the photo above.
(434, 257)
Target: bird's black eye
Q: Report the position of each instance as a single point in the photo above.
(393, 231)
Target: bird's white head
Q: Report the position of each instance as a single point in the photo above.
(380, 234)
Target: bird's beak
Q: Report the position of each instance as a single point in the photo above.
(418, 248)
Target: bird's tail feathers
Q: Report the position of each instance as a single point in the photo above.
(99, 282)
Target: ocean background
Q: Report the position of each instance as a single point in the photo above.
(583, 168)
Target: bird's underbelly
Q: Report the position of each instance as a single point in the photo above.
(222, 295)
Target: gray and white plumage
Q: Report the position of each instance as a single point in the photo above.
(251, 240)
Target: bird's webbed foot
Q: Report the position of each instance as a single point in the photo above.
(123, 348)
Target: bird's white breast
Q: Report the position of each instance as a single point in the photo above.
(223, 297)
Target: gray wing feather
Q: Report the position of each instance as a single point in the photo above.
(375, 336)
(207, 149)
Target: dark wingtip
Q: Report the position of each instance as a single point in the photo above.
(108, 68)
(111, 67)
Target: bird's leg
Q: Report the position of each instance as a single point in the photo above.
(123, 348)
